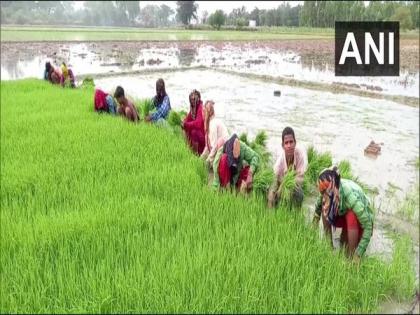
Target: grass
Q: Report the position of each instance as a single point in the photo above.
(409, 208)
(36, 33)
(102, 215)
(62, 33)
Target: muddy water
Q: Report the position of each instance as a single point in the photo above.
(343, 125)
(295, 61)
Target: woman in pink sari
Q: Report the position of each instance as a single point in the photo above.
(193, 124)
(216, 133)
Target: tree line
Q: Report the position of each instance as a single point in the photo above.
(130, 13)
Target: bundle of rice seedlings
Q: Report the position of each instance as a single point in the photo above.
(244, 138)
(264, 155)
(182, 114)
(311, 154)
(262, 181)
(345, 169)
(87, 83)
(174, 118)
(316, 163)
(146, 105)
(261, 138)
(286, 189)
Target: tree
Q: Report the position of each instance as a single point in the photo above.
(403, 15)
(255, 15)
(149, 16)
(185, 11)
(130, 10)
(239, 13)
(204, 17)
(164, 13)
(241, 22)
(415, 14)
(217, 19)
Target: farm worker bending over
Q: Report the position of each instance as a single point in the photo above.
(343, 204)
(67, 74)
(216, 133)
(229, 168)
(193, 124)
(291, 157)
(52, 74)
(104, 102)
(161, 103)
(126, 108)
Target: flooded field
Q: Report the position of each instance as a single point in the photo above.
(343, 124)
(301, 60)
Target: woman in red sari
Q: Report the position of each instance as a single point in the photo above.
(193, 124)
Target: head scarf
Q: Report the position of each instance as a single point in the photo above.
(329, 186)
(232, 161)
(160, 92)
(196, 102)
(64, 70)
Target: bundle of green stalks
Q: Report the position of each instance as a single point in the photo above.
(100, 215)
(316, 163)
(264, 176)
(286, 190)
(145, 106)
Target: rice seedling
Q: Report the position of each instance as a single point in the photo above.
(316, 163)
(174, 118)
(261, 138)
(87, 83)
(102, 215)
(286, 190)
(244, 138)
(262, 181)
(145, 107)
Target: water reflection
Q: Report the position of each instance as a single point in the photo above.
(19, 61)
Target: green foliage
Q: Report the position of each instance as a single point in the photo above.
(185, 11)
(402, 14)
(88, 83)
(344, 168)
(409, 209)
(286, 190)
(402, 259)
(244, 138)
(325, 13)
(261, 138)
(182, 114)
(262, 181)
(174, 118)
(145, 106)
(316, 163)
(217, 19)
(102, 215)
